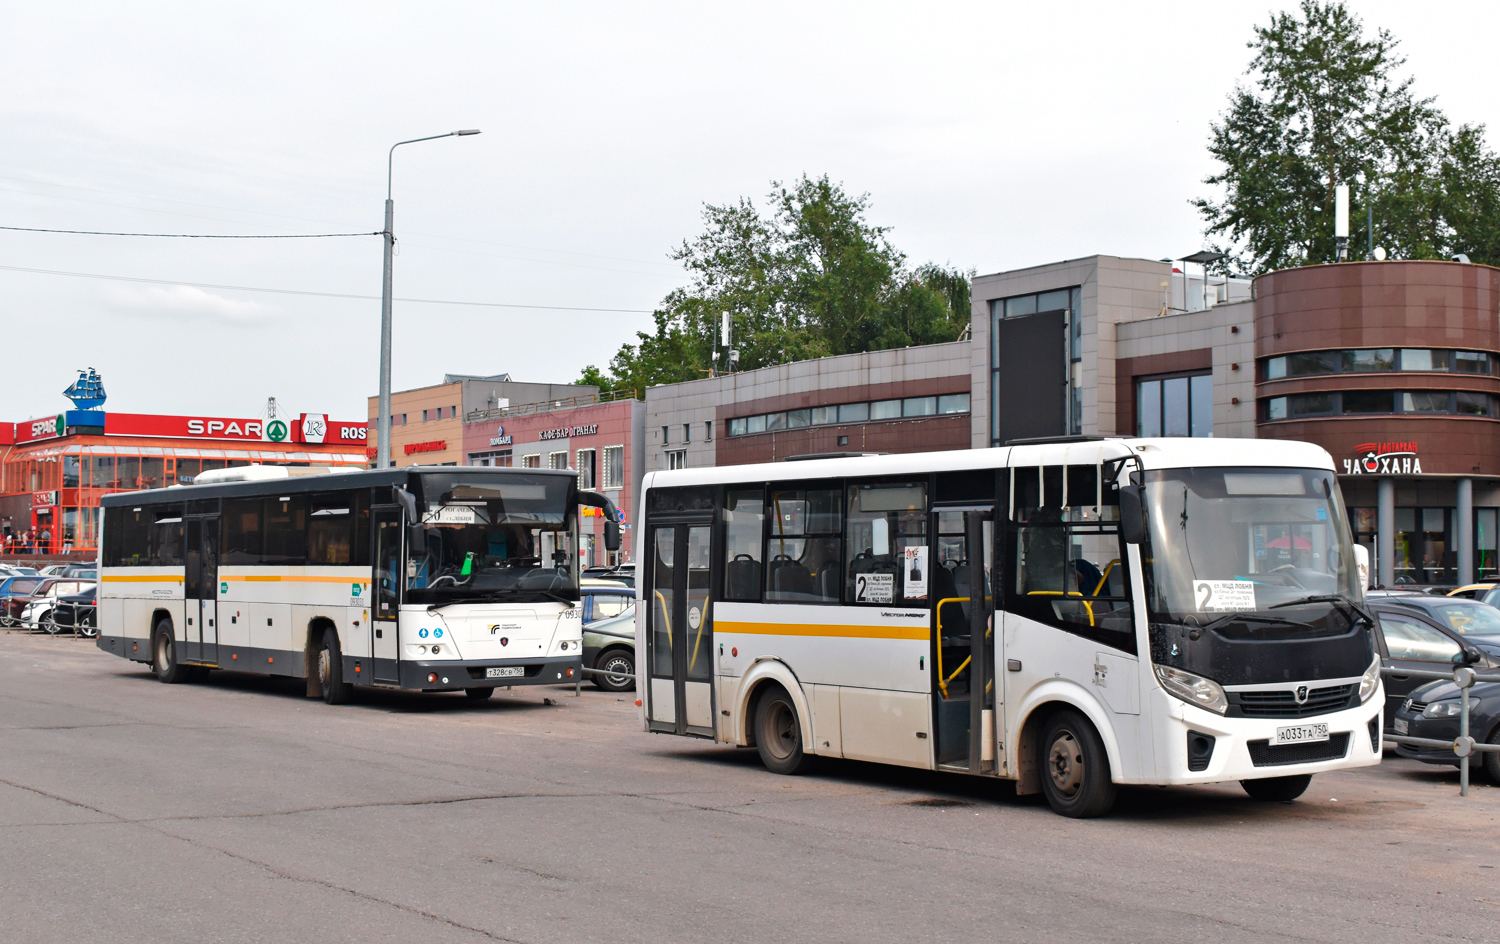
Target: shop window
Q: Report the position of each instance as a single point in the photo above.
(129, 470)
(614, 466)
(883, 521)
(70, 474)
(1369, 361)
(953, 403)
(919, 406)
(744, 524)
(1423, 359)
(1369, 401)
(1422, 549)
(153, 472)
(803, 560)
(1175, 406)
(586, 468)
(1425, 401)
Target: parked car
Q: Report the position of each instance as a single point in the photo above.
(1471, 591)
(86, 571)
(77, 612)
(609, 646)
(53, 570)
(1476, 622)
(603, 599)
(32, 608)
(1434, 710)
(10, 589)
(1410, 638)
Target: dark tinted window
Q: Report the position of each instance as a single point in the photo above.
(127, 538)
(1369, 401)
(243, 539)
(166, 536)
(285, 526)
(330, 528)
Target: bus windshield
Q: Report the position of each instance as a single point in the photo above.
(1226, 541)
(507, 537)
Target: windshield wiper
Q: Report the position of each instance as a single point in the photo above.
(1335, 598)
(438, 606)
(1252, 618)
(554, 595)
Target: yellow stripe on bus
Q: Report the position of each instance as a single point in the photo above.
(289, 579)
(139, 578)
(823, 629)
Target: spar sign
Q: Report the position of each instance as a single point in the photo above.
(1384, 458)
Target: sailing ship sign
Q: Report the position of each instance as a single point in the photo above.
(87, 392)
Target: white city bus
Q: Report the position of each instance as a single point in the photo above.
(420, 579)
(1070, 615)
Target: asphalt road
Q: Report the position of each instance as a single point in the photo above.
(238, 810)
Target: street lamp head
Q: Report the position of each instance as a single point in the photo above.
(467, 132)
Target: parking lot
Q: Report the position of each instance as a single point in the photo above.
(238, 810)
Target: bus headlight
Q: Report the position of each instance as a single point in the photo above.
(1193, 689)
(1370, 681)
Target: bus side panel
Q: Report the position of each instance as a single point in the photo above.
(129, 598)
(892, 727)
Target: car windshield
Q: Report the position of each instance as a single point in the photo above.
(1470, 619)
(1242, 540)
(508, 536)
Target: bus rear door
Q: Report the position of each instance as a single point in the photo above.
(679, 663)
(201, 589)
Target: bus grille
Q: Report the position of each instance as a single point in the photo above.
(1283, 704)
(1262, 754)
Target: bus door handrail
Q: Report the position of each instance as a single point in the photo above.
(943, 682)
(702, 625)
(1087, 604)
(666, 616)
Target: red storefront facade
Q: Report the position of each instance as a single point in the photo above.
(53, 474)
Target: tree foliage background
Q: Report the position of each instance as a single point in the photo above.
(807, 277)
(1326, 104)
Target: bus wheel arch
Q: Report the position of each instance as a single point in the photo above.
(754, 684)
(1045, 702)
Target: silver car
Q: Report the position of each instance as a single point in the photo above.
(609, 646)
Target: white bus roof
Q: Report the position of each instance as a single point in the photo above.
(1166, 453)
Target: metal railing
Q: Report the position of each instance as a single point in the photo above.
(1464, 745)
(547, 406)
(83, 620)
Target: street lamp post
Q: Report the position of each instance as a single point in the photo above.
(383, 421)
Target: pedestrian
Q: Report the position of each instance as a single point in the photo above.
(46, 541)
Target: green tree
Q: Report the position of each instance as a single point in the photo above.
(1326, 106)
(808, 278)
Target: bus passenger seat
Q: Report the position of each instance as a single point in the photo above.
(742, 577)
(1089, 577)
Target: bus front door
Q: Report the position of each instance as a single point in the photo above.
(963, 633)
(679, 630)
(386, 533)
(201, 590)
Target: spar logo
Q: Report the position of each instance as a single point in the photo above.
(1384, 458)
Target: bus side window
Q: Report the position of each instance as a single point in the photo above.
(744, 523)
(884, 519)
(166, 536)
(244, 541)
(803, 559)
(1068, 562)
(134, 536)
(330, 528)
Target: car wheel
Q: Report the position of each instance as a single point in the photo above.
(616, 660)
(47, 623)
(478, 694)
(164, 657)
(778, 733)
(1075, 768)
(1277, 789)
(87, 629)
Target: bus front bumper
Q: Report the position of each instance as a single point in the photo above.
(445, 676)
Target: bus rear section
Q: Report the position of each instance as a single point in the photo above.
(418, 580)
(1036, 613)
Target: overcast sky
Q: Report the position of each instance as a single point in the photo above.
(989, 136)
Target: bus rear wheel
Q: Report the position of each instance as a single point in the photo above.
(1277, 789)
(164, 657)
(778, 734)
(478, 694)
(336, 691)
(1075, 767)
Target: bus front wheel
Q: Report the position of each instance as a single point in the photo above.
(336, 691)
(778, 734)
(1075, 767)
(164, 657)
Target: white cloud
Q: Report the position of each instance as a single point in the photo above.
(185, 303)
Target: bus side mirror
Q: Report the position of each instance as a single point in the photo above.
(1132, 514)
(611, 535)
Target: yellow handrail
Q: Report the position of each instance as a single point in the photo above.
(943, 681)
(666, 615)
(698, 640)
(1104, 577)
(1065, 593)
